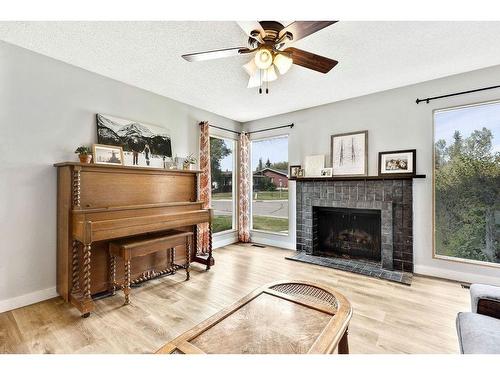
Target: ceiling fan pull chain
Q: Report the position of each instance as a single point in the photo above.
(260, 82)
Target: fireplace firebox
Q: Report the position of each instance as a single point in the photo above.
(347, 232)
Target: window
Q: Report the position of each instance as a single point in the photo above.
(222, 165)
(270, 185)
(466, 183)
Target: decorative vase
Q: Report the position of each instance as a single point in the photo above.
(85, 158)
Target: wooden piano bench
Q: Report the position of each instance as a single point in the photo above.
(145, 245)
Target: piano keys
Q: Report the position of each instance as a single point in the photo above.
(100, 203)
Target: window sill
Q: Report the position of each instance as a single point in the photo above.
(224, 232)
(466, 261)
(271, 233)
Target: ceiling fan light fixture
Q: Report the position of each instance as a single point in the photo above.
(254, 80)
(263, 58)
(269, 74)
(250, 67)
(282, 62)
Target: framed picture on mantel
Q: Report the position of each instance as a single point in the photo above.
(397, 163)
(349, 154)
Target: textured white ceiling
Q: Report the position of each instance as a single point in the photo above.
(373, 56)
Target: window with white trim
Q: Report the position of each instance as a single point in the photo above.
(467, 183)
(270, 185)
(223, 176)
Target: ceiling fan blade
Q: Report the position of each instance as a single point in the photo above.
(310, 60)
(301, 29)
(249, 26)
(216, 54)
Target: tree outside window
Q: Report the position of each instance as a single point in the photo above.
(466, 183)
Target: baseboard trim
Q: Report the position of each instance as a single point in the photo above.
(465, 277)
(27, 299)
(270, 240)
(224, 240)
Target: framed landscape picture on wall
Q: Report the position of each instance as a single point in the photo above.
(349, 154)
(144, 145)
(401, 163)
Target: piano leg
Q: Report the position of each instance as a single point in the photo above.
(80, 294)
(188, 256)
(172, 257)
(87, 298)
(210, 259)
(206, 259)
(126, 287)
(112, 273)
(75, 268)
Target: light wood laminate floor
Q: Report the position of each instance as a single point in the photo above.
(388, 317)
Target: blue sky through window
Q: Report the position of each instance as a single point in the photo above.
(276, 149)
(466, 120)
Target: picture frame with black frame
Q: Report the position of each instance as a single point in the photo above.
(294, 171)
(401, 163)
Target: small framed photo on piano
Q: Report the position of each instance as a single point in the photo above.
(110, 155)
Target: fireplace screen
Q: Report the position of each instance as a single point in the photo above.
(347, 232)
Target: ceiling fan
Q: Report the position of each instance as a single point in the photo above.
(270, 41)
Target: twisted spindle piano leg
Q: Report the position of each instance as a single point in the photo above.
(210, 258)
(86, 277)
(112, 273)
(172, 254)
(188, 257)
(126, 287)
(86, 271)
(75, 269)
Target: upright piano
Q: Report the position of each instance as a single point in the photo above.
(99, 203)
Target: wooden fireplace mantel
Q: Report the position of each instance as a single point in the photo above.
(356, 178)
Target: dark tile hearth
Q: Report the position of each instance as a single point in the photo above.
(362, 267)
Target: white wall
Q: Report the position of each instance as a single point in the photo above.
(394, 122)
(47, 109)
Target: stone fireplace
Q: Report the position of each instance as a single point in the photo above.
(363, 219)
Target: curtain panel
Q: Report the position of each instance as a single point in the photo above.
(244, 190)
(203, 238)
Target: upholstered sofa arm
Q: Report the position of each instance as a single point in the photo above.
(485, 300)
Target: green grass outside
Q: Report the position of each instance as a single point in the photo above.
(269, 195)
(221, 223)
(271, 224)
(227, 195)
(261, 195)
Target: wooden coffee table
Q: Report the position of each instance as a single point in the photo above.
(285, 317)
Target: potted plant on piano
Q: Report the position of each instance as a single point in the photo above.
(84, 153)
(189, 162)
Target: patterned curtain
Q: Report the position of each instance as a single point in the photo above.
(205, 185)
(244, 191)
